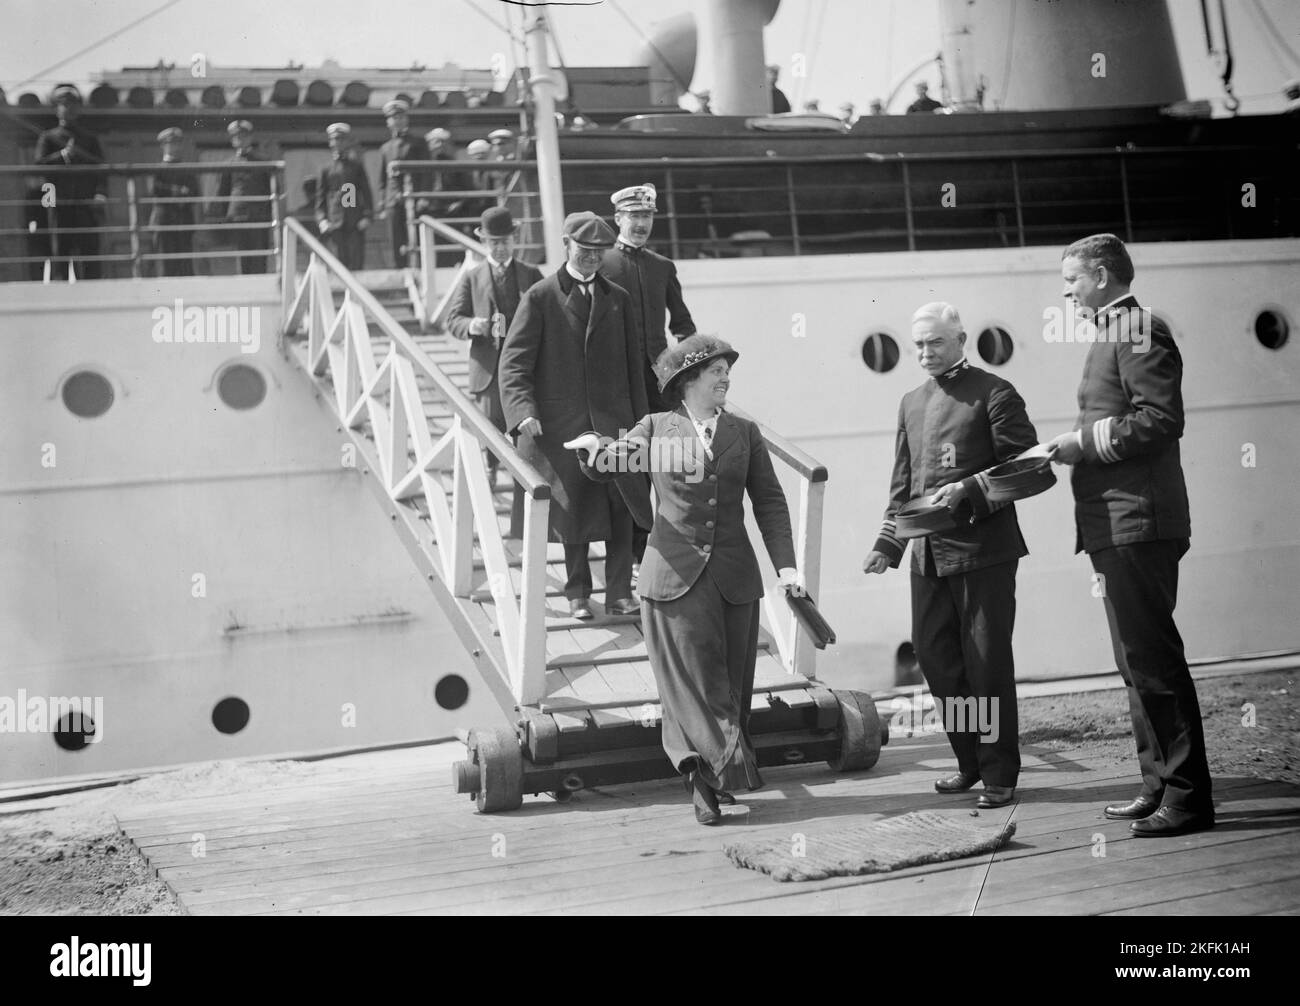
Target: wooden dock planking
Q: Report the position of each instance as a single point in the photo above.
(408, 845)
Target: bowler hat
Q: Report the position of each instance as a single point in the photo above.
(496, 222)
(691, 352)
(588, 231)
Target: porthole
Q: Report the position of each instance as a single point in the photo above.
(74, 731)
(880, 352)
(230, 715)
(1271, 328)
(994, 345)
(241, 386)
(451, 691)
(87, 394)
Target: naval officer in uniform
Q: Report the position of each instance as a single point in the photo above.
(651, 281)
(1132, 519)
(79, 198)
(247, 196)
(398, 147)
(571, 363)
(951, 430)
(173, 185)
(343, 201)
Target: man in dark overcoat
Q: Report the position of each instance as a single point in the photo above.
(343, 201)
(247, 196)
(174, 185)
(79, 199)
(570, 364)
(951, 431)
(1132, 519)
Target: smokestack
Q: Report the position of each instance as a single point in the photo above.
(734, 32)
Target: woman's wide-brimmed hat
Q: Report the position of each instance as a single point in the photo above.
(691, 352)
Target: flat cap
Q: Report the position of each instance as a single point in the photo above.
(588, 231)
(170, 134)
(635, 197)
(396, 105)
(239, 126)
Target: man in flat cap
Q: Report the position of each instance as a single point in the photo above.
(247, 199)
(343, 202)
(79, 199)
(651, 281)
(1132, 518)
(180, 185)
(571, 363)
(483, 306)
(961, 422)
(400, 146)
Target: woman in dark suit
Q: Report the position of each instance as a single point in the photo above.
(700, 582)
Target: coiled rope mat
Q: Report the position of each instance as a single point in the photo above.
(923, 836)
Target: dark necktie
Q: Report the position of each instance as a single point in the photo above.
(707, 435)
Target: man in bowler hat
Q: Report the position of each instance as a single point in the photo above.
(483, 306)
(343, 202)
(1131, 517)
(181, 185)
(572, 363)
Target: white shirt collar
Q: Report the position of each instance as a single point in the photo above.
(506, 265)
(1107, 307)
(577, 275)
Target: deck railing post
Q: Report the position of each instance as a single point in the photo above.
(412, 225)
(794, 212)
(428, 265)
(462, 512)
(907, 204)
(1123, 181)
(671, 197)
(530, 685)
(276, 216)
(133, 225)
(288, 276)
(1015, 192)
(808, 554)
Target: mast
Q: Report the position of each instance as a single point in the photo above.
(549, 185)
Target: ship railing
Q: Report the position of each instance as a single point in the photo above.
(369, 371)
(723, 207)
(133, 240)
(794, 646)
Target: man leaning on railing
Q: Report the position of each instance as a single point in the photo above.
(78, 198)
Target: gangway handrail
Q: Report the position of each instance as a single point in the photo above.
(524, 473)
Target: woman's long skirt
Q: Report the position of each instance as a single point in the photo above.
(703, 650)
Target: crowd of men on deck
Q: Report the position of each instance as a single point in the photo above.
(339, 203)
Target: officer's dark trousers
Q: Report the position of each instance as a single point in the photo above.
(348, 245)
(961, 628)
(397, 231)
(618, 556)
(251, 240)
(176, 242)
(1140, 589)
(67, 221)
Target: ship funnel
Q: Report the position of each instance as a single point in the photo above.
(1037, 56)
(669, 51)
(734, 34)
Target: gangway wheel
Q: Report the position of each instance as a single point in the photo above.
(495, 754)
(861, 734)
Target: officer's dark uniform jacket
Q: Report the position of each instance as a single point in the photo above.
(330, 192)
(651, 280)
(399, 148)
(237, 182)
(953, 428)
(1129, 486)
(51, 147)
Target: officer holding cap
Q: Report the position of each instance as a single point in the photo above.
(571, 363)
(343, 202)
(79, 198)
(247, 198)
(178, 185)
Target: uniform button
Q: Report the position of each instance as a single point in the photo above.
(708, 523)
(713, 478)
(707, 547)
(713, 502)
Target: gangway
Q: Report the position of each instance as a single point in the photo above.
(581, 694)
